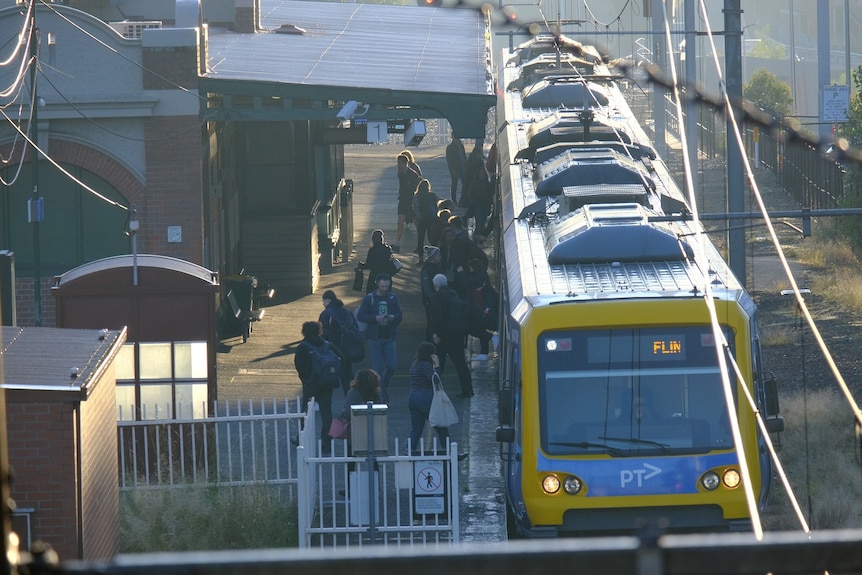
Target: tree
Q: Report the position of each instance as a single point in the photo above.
(768, 92)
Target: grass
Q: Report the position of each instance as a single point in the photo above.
(820, 451)
(820, 455)
(201, 518)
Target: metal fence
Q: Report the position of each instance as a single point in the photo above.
(242, 443)
(413, 497)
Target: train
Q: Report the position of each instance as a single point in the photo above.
(613, 409)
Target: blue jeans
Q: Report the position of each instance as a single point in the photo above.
(383, 359)
(419, 404)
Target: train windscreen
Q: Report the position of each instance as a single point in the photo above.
(632, 392)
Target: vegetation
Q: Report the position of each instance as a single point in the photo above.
(850, 227)
(768, 92)
(201, 518)
(819, 450)
(819, 456)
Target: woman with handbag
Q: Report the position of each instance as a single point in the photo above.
(423, 370)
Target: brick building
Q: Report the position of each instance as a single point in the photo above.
(61, 422)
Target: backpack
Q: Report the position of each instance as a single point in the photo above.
(352, 343)
(325, 365)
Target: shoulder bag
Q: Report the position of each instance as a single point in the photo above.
(442, 413)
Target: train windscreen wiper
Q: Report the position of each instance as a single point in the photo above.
(664, 447)
(586, 444)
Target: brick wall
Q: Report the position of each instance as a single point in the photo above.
(174, 161)
(100, 492)
(174, 196)
(42, 458)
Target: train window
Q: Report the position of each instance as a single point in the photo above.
(631, 392)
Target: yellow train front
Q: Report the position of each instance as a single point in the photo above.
(614, 414)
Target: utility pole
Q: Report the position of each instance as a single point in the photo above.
(34, 205)
(691, 106)
(659, 93)
(735, 180)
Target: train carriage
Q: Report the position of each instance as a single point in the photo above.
(613, 409)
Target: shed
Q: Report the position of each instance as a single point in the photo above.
(62, 436)
(168, 367)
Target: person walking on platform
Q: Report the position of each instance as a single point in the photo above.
(378, 260)
(408, 178)
(432, 266)
(332, 318)
(425, 212)
(381, 311)
(449, 331)
(425, 365)
(456, 158)
(313, 342)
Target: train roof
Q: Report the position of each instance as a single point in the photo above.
(582, 194)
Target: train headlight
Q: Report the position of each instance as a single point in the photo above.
(551, 484)
(710, 480)
(732, 478)
(572, 485)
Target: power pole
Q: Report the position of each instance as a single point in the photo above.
(34, 205)
(735, 180)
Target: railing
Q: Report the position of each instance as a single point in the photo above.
(242, 443)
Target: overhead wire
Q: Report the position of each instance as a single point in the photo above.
(718, 333)
(729, 108)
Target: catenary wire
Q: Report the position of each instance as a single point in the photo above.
(718, 334)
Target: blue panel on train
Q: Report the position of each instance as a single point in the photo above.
(638, 475)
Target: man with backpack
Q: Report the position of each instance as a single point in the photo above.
(448, 316)
(318, 364)
(340, 329)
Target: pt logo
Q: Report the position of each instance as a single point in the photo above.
(628, 476)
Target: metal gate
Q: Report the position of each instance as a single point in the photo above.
(347, 499)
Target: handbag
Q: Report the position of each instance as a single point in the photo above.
(442, 412)
(396, 265)
(339, 429)
(358, 280)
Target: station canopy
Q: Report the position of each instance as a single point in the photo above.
(309, 58)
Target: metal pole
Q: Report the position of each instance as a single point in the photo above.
(735, 179)
(372, 504)
(824, 72)
(691, 105)
(658, 92)
(34, 206)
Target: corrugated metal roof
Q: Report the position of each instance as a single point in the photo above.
(42, 360)
(374, 46)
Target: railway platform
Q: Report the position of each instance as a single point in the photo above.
(262, 369)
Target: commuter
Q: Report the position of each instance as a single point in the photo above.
(312, 342)
(456, 159)
(432, 266)
(424, 211)
(449, 331)
(481, 200)
(484, 307)
(381, 311)
(364, 387)
(425, 365)
(461, 249)
(332, 318)
(473, 167)
(409, 176)
(435, 230)
(378, 260)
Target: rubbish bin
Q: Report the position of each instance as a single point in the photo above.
(237, 311)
